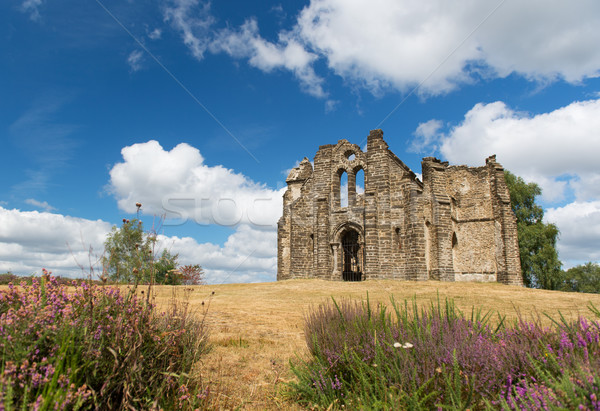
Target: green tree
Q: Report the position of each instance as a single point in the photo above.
(540, 265)
(165, 269)
(128, 253)
(583, 278)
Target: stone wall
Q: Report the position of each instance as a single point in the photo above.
(455, 225)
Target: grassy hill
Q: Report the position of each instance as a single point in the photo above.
(256, 329)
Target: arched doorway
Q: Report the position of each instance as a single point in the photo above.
(351, 269)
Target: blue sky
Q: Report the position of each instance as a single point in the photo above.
(198, 110)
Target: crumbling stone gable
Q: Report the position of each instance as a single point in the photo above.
(455, 225)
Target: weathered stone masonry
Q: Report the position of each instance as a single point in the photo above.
(456, 225)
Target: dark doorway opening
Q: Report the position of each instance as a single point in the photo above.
(352, 261)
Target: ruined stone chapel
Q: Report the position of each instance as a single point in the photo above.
(455, 225)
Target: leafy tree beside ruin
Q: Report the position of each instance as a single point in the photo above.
(540, 265)
(583, 278)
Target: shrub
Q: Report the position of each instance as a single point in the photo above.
(6, 278)
(192, 274)
(95, 347)
(582, 278)
(369, 358)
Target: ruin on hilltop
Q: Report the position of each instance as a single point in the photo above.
(455, 225)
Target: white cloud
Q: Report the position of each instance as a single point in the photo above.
(344, 191)
(31, 7)
(135, 60)
(426, 135)
(155, 34)
(579, 224)
(287, 54)
(40, 204)
(32, 240)
(178, 183)
(390, 44)
(544, 39)
(193, 22)
(248, 255)
(387, 43)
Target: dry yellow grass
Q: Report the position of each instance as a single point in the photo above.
(256, 329)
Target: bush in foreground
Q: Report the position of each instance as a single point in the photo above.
(95, 347)
(368, 358)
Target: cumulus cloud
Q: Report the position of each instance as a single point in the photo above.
(40, 204)
(178, 183)
(388, 43)
(400, 44)
(432, 44)
(248, 255)
(579, 224)
(426, 136)
(32, 240)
